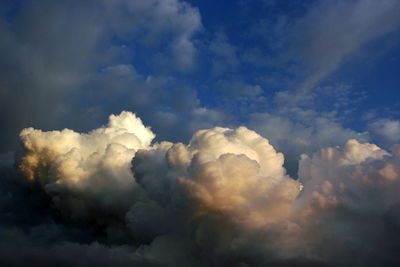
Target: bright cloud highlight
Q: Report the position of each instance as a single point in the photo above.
(221, 194)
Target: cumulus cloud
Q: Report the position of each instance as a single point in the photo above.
(224, 182)
(202, 188)
(224, 199)
(349, 204)
(116, 196)
(86, 174)
(302, 131)
(222, 177)
(221, 170)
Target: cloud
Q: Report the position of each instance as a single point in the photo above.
(349, 203)
(53, 55)
(225, 56)
(331, 32)
(237, 88)
(222, 185)
(118, 195)
(156, 21)
(224, 199)
(231, 176)
(37, 72)
(172, 107)
(348, 191)
(221, 170)
(30, 251)
(302, 131)
(386, 131)
(87, 175)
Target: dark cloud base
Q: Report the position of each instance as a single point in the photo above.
(115, 197)
(222, 200)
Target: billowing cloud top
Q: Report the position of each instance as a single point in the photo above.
(276, 126)
(89, 170)
(233, 172)
(222, 199)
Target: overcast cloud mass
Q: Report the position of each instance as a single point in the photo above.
(239, 133)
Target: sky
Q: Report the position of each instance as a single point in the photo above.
(261, 132)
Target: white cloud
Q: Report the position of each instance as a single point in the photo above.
(220, 170)
(225, 197)
(220, 187)
(89, 172)
(348, 204)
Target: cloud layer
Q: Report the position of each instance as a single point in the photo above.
(290, 177)
(224, 199)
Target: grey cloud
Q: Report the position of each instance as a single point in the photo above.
(333, 31)
(171, 106)
(386, 131)
(153, 22)
(53, 53)
(30, 252)
(38, 74)
(239, 97)
(236, 88)
(303, 131)
(225, 55)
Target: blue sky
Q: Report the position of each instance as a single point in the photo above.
(187, 65)
(312, 179)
